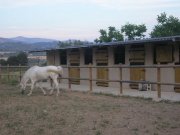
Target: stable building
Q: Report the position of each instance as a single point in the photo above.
(154, 51)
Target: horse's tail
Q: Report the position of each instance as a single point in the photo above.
(59, 70)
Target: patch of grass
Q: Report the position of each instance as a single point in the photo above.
(105, 94)
(62, 121)
(40, 131)
(138, 98)
(9, 82)
(98, 132)
(173, 127)
(13, 82)
(13, 125)
(135, 129)
(164, 125)
(41, 115)
(159, 118)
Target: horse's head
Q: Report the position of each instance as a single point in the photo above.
(22, 88)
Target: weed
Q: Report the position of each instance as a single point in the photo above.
(62, 121)
(13, 82)
(135, 129)
(98, 132)
(40, 130)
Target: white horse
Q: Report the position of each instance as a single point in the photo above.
(36, 74)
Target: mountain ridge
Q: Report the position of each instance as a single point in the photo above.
(21, 43)
(31, 40)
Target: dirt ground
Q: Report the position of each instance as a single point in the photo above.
(77, 113)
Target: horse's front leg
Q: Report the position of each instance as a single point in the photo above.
(23, 87)
(32, 87)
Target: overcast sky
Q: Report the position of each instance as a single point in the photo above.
(78, 19)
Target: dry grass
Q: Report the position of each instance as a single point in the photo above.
(74, 113)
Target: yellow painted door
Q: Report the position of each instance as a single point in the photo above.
(74, 60)
(136, 74)
(75, 73)
(177, 79)
(102, 73)
(102, 60)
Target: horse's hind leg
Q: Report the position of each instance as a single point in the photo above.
(57, 87)
(52, 89)
(44, 92)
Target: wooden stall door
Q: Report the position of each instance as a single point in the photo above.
(137, 57)
(177, 79)
(102, 60)
(50, 57)
(75, 73)
(136, 74)
(102, 73)
(74, 60)
(177, 74)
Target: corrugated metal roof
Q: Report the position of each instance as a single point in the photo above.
(126, 42)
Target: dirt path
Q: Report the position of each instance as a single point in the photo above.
(75, 113)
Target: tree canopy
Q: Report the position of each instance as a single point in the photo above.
(167, 26)
(72, 43)
(22, 58)
(108, 36)
(133, 31)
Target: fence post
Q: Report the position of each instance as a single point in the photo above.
(0, 73)
(8, 72)
(158, 80)
(69, 82)
(20, 72)
(120, 74)
(90, 77)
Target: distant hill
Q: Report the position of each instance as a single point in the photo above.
(31, 40)
(26, 44)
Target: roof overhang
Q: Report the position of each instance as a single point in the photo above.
(147, 41)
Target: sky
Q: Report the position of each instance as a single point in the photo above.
(78, 19)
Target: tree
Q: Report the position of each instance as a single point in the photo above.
(72, 43)
(108, 36)
(3, 62)
(167, 26)
(12, 61)
(22, 58)
(133, 31)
